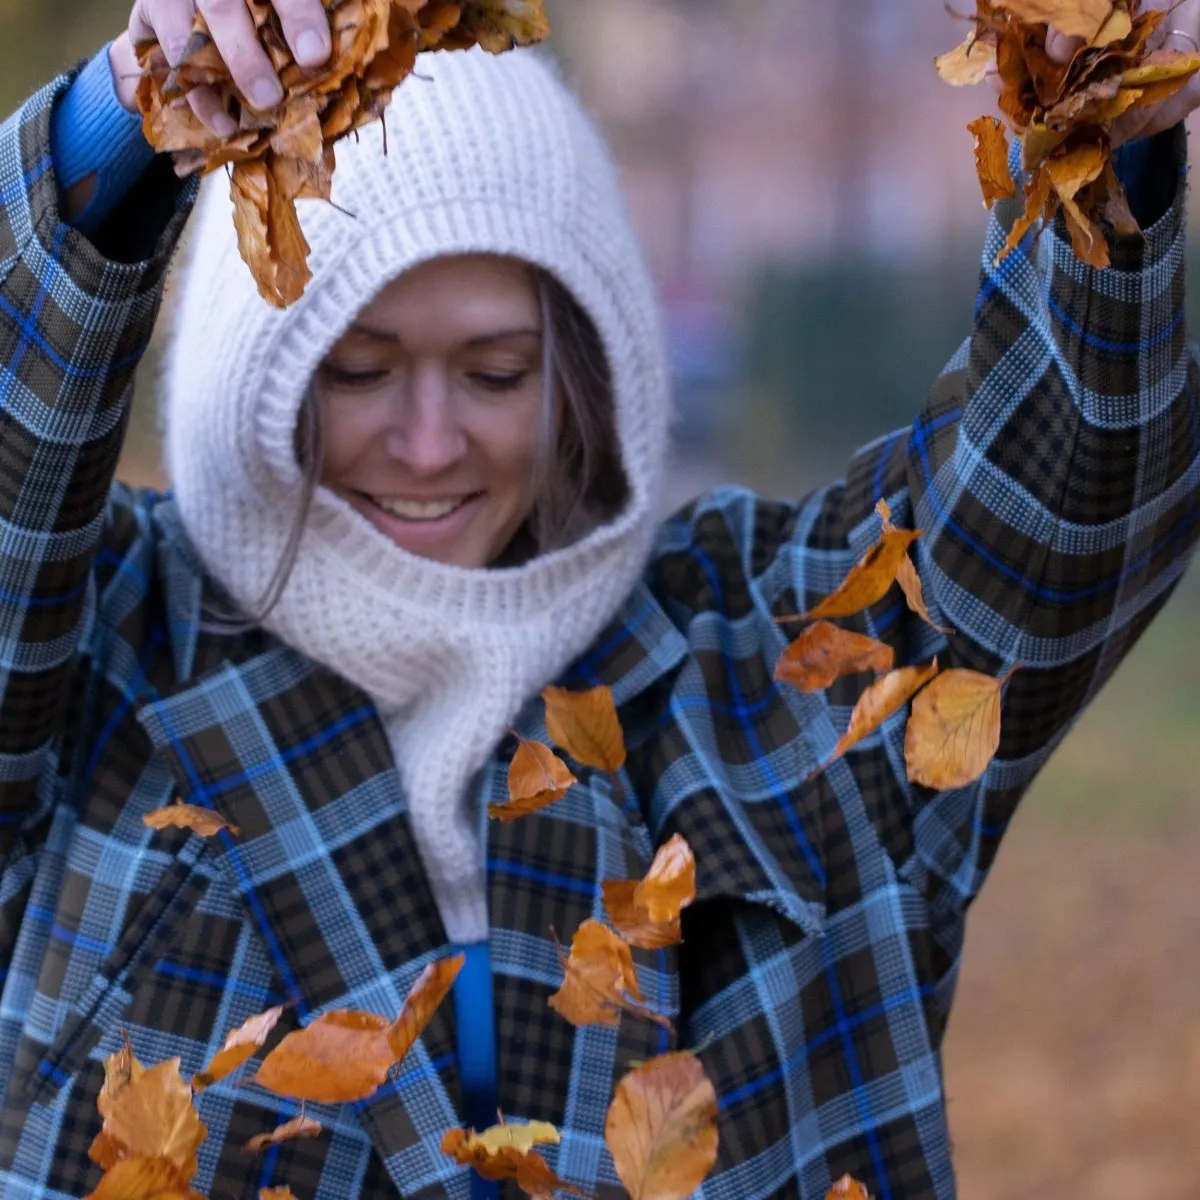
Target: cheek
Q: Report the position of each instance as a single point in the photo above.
(347, 431)
(510, 443)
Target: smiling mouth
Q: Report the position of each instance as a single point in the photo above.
(422, 511)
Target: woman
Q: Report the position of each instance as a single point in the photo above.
(402, 507)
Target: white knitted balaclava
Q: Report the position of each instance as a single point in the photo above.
(485, 155)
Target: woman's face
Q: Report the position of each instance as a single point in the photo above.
(430, 406)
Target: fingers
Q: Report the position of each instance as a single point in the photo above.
(306, 28)
(236, 39)
(169, 21)
(205, 102)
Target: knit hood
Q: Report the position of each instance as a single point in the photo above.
(484, 155)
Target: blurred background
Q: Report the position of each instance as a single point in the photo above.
(806, 194)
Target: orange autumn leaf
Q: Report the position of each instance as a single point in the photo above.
(203, 821)
(297, 1127)
(152, 1117)
(824, 653)
(847, 1188)
(506, 1151)
(883, 698)
(537, 777)
(422, 1001)
(1075, 18)
(285, 154)
(345, 1055)
(599, 980)
(240, 1046)
(585, 725)
(276, 1193)
(121, 1068)
(661, 1128)
(908, 579)
(954, 729)
(868, 581)
(143, 1179)
(991, 160)
(646, 912)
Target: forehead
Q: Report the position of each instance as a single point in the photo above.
(457, 297)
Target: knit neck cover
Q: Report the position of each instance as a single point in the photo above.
(486, 155)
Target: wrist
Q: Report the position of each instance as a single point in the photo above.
(126, 72)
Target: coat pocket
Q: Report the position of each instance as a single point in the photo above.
(106, 997)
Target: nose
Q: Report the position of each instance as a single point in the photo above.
(424, 433)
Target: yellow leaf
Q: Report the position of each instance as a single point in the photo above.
(506, 1151)
(537, 777)
(585, 725)
(966, 64)
(953, 730)
(661, 1128)
(1159, 66)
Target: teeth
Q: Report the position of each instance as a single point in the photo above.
(419, 510)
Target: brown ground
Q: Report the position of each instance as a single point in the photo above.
(1073, 1055)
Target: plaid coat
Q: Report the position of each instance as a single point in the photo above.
(1055, 472)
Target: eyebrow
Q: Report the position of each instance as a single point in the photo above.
(504, 335)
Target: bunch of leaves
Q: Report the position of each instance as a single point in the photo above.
(286, 154)
(152, 1131)
(1064, 112)
(953, 730)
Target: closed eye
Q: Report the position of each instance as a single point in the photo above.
(500, 381)
(340, 377)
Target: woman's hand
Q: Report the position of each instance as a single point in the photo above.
(305, 25)
(1180, 30)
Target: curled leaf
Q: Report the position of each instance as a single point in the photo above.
(585, 725)
(966, 64)
(203, 821)
(240, 1046)
(869, 580)
(991, 160)
(909, 580)
(824, 653)
(297, 1127)
(954, 729)
(422, 1002)
(884, 697)
(661, 1128)
(506, 1151)
(537, 777)
(1075, 18)
(847, 1188)
(646, 913)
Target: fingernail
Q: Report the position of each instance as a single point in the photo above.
(223, 125)
(311, 48)
(266, 93)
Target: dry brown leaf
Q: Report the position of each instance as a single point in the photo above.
(1075, 18)
(240, 1046)
(884, 697)
(991, 160)
(537, 777)
(909, 580)
(375, 46)
(646, 912)
(506, 1151)
(276, 1193)
(966, 64)
(599, 981)
(203, 821)
(585, 725)
(954, 729)
(868, 581)
(1038, 197)
(144, 1179)
(661, 1128)
(847, 1188)
(297, 1127)
(1161, 66)
(121, 1068)
(422, 1002)
(824, 653)
(151, 1117)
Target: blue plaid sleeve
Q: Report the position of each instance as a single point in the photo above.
(1056, 475)
(73, 327)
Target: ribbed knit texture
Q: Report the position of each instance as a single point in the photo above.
(485, 155)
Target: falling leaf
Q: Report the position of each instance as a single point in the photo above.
(909, 581)
(953, 730)
(824, 653)
(966, 64)
(297, 1127)
(661, 1128)
(142, 1178)
(599, 980)
(585, 725)
(537, 777)
(152, 1117)
(991, 160)
(506, 1151)
(239, 1047)
(868, 581)
(1075, 18)
(345, 1055)
(884, 697)
(422, 1002)
(847, 1189)
(287, 151)
(121, 1068)
(276, 1193)
(203, 821)
(646, 912)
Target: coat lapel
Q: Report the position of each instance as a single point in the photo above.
(325, 863)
